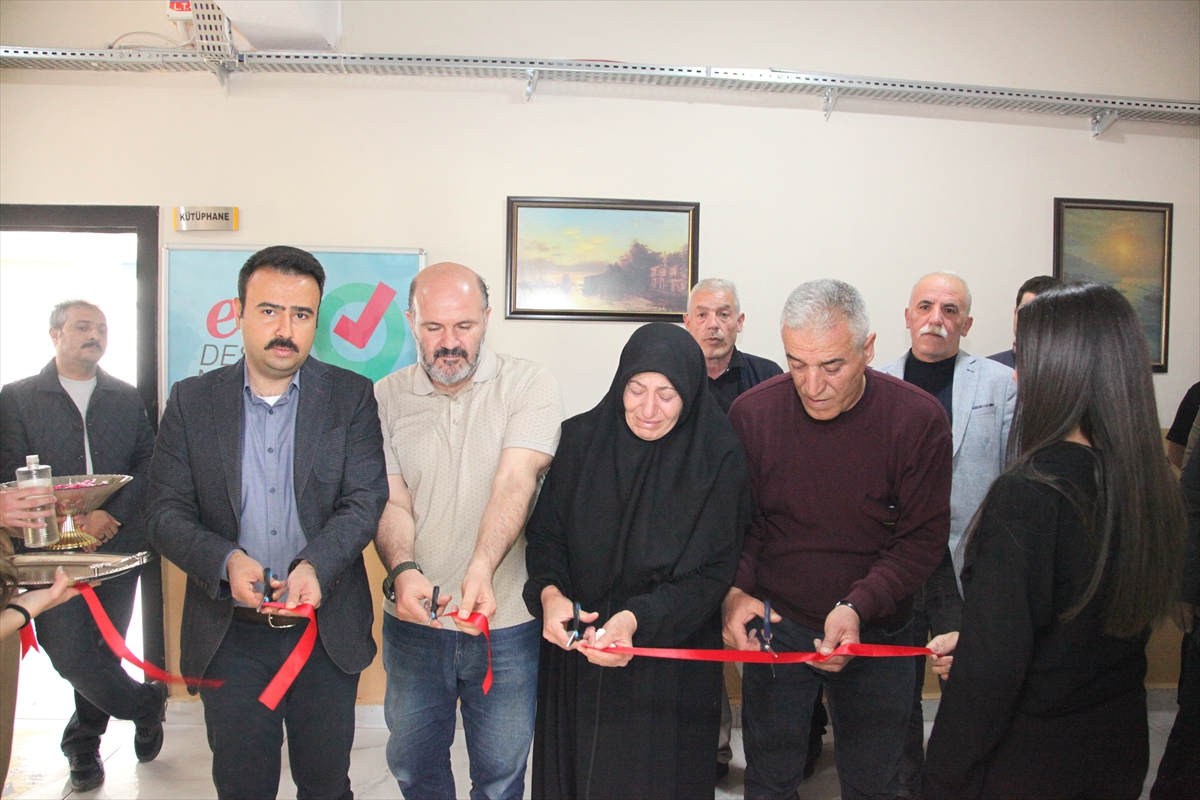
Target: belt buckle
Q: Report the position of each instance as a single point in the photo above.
(271, 622)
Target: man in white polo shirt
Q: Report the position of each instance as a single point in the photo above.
(468, 434)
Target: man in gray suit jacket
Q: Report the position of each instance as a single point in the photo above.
(979, 397)
(275, 462)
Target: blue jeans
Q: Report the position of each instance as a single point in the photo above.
(102, 686)
(246, 737)
(429, 671)
(870, 701)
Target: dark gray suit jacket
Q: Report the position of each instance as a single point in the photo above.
(194, 501)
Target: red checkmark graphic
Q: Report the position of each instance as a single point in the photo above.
(359, 333)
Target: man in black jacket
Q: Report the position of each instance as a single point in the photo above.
(714, 319)
(273, 462)
(1029, 290)
(80, 420)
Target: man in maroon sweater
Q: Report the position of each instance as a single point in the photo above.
(851, 475)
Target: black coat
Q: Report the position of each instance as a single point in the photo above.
(1036, 705)
(194, 501)
(756, 371)
(38, 417)
(654, 528)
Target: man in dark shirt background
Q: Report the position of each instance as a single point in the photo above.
(1179, 770)
(850, 471)
(714, 319)
(1029, 290)
(1185, 416)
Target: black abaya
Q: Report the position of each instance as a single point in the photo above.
(655, 528)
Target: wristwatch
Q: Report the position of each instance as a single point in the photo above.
(848, 605)
(389, 583)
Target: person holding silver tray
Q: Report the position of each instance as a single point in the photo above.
(16, 611)
(81, 421)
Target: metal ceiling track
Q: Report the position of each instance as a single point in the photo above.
(1101, 111)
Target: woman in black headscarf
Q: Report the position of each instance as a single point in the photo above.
(640, 521)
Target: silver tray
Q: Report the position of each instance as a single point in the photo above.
(35, 570)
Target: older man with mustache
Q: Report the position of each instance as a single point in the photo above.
(468, 434)
(979, 396)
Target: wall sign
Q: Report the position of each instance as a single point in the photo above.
(360, 326)
(206, 218)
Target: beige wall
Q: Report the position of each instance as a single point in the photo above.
(878, 195)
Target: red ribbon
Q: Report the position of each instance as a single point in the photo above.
(28, 640)
(760, 657)
(296, 660)
(113, 639)
(481, 622)
(283, 679)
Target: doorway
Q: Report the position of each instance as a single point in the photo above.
(107, 255)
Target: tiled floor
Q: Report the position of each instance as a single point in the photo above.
(38, 769)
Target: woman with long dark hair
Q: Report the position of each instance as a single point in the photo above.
(640, 522)
(1071, 558)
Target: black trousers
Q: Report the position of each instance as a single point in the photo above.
(246, 737)
(1179, 770)
(937, 609)
(103, 688)
(868, 701)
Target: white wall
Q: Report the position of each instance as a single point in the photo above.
(878, 195)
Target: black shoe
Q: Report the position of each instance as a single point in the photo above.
(722, 770)
(148, 738)
(87, 771)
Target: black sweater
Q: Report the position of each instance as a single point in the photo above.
(1015, 656)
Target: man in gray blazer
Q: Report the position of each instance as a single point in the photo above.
(275, 462)
(979, 396)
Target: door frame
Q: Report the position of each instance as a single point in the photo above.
(142, 220)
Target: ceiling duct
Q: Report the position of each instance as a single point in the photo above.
(286, 24)
(1101, 110)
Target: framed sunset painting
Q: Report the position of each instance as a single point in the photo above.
(572, 258)
(1127, 245)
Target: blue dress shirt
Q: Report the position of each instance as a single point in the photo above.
(270, 530)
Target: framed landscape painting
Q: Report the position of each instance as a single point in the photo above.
(571, 258)
(1127, 245)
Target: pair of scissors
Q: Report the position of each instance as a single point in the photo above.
(764, 641)
(577, 630)
(432, 604)
(268, 575)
